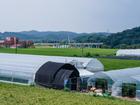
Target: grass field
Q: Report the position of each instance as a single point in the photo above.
(23, 95)
(63, 51)
(112, 64)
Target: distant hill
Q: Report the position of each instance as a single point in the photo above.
(47, 36)
(36, 35)
(128, 38)
(92, 38)
(19, 35)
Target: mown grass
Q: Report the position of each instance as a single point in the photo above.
(113, 64)
(24, 95)
(63, 51)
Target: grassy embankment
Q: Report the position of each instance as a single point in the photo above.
(23, 95)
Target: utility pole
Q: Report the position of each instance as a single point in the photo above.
(16, 45)
(68, 41)
(82, 49)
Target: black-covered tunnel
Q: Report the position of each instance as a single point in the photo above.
(53, 75)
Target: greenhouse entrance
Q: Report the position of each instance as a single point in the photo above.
(101, 84)
(129, 90)
(72, 83)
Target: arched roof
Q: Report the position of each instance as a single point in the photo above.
(137, 78)
(117, 86)
(122, 73)
(85, 73)
(95, 66)
(119, 82)
(132, 79)
(19, 67)
(25, 60)
(114, 75)
(53, 74)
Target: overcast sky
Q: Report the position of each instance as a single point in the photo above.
(69, 15)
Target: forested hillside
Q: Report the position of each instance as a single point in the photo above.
(127, 39)
(39, 36)
(92, 38)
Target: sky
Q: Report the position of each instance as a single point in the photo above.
(69, 15)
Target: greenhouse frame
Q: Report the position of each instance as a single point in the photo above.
(110, 77)
(133, 81)
(84, 76)
(53, 75)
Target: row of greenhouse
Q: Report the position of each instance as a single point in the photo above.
(73, 73)
(119, 83)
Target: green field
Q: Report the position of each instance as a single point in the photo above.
(112, 64)
(24, 95)
(63, 51)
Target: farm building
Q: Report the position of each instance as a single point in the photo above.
(30, 69)
(105, 80)
(127, 87)
(128, 52)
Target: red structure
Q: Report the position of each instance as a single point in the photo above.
(10, 41)
(13, 42)
(1, 43)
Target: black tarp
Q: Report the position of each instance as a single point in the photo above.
(53, 74)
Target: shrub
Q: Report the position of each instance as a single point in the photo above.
(97, 55)
(88, 54)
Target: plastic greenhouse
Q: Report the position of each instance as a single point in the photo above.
(133, 92)
(111, 77)
(90, 64)
(28, 70)
(22, 68)
(128, 52)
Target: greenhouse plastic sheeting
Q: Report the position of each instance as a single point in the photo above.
(95, 66)
(117, 86)
(13, 65)
(90, 64)
(128, 52)
(85, 73)
(113, 76)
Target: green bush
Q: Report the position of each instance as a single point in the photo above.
(88, 54)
